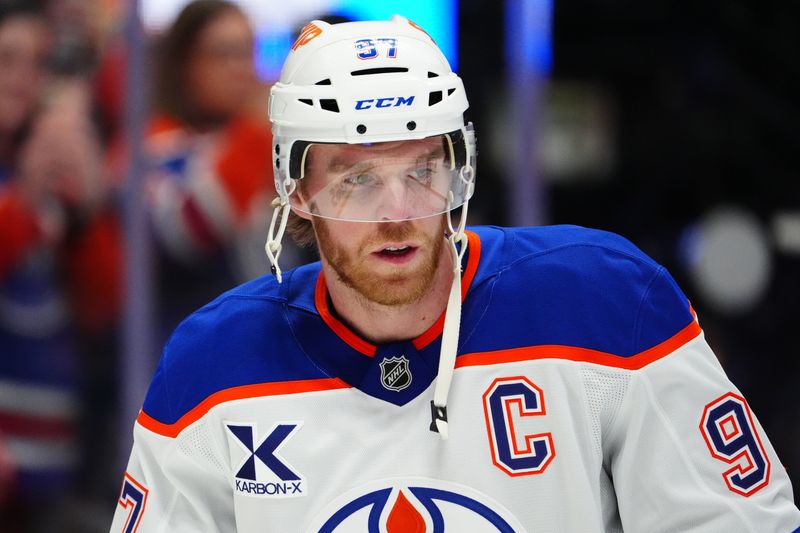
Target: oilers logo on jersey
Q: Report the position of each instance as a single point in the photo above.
(262, 472)
(415, 504)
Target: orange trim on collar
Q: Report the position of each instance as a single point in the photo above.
(369, 349)
(342, 331)
(585, 355)
(238, 393)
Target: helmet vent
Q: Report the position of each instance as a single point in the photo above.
(329, 104)
(326, 81)
(432, 75)
(306, 101)
(451, 91)
(434, 98)
(381, 70)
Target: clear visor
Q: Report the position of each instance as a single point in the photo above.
(383, 182)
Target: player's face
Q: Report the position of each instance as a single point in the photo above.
(390, 263)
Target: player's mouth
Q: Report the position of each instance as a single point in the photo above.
(396, 253)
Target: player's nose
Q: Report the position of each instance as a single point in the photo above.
(394, 201)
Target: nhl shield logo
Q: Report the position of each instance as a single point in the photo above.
(395, 373)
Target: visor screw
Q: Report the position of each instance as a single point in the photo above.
(361, 129)
(411, 126)
(278, 149)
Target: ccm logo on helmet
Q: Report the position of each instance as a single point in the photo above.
(391, 101)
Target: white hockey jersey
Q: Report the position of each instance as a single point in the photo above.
(584, 399)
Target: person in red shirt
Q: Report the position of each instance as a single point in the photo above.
(60, 268)
(210, 180)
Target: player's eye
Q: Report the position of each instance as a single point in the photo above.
(424, 174)
(358, 183)
(360, 179)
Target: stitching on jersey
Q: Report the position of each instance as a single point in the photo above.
(311, 310)
(486, 306)
(510, 244)
(637, 324)
(540, 253)
(314, 363)
(614, 426)
(235, 296)
(612, 422)
(590, 420)
(606, 410)
(167, 361)
(228, 297)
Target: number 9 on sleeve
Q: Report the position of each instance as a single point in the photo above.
(731, 436)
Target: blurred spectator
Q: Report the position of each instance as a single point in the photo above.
(23, 53)
(209, 144)
(59, 268)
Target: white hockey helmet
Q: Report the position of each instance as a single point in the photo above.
(364, 83)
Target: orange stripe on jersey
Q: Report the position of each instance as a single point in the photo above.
(585, 355)
(238, 393)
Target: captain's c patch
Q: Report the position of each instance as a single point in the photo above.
(505, 403)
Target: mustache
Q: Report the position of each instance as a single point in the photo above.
(392, 231)
(395, 231)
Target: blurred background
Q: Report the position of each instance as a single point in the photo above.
(135, 181)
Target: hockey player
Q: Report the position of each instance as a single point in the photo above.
(422, 377)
